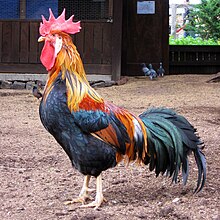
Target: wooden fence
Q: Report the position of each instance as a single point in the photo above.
(20, 50)
(194, 59)
(99, 49)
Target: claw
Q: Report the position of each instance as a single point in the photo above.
(81, 199)
(95, 204)
(68, 202)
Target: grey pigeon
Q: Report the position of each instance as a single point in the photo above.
(145, 70)
(161, 71)
(153, 73)
(36, 92)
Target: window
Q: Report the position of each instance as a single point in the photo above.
(85, 9)
(33, 9)
(9, 9)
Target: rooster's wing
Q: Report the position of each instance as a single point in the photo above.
(105, 125)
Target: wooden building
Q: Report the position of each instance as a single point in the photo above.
(116, 36)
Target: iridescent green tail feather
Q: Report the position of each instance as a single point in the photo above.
(171, 138)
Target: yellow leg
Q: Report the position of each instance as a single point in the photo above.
(84, 193)
(99, 199)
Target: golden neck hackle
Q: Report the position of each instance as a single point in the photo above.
(69, 63)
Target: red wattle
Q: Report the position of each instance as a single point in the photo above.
(48, 55)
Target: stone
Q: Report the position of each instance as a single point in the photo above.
(5, 84)
(29, 85)
(18, 85)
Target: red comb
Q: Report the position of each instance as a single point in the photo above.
(60, 24)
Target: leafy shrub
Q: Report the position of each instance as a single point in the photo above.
(192, 41)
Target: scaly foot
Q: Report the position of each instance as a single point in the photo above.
(82, 198)
(84, 193)
(96, 204)
(99, 199)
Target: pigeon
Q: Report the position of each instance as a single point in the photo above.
(145, 70)
(36, 92)
(161, 71)
(153, 73)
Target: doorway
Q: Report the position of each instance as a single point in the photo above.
(145, 35)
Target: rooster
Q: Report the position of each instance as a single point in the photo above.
(96, 134)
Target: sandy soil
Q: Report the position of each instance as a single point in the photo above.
(37, 177)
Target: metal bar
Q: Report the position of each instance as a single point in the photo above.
(110, 9)
(22, 9)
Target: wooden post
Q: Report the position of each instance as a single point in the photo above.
(165, 37)
(117, 39)
(173, 20)
(110, 9)
(22, 9)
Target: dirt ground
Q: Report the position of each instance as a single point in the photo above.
(37, 177)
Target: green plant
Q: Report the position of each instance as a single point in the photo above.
(204, 19)
(192, 41)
